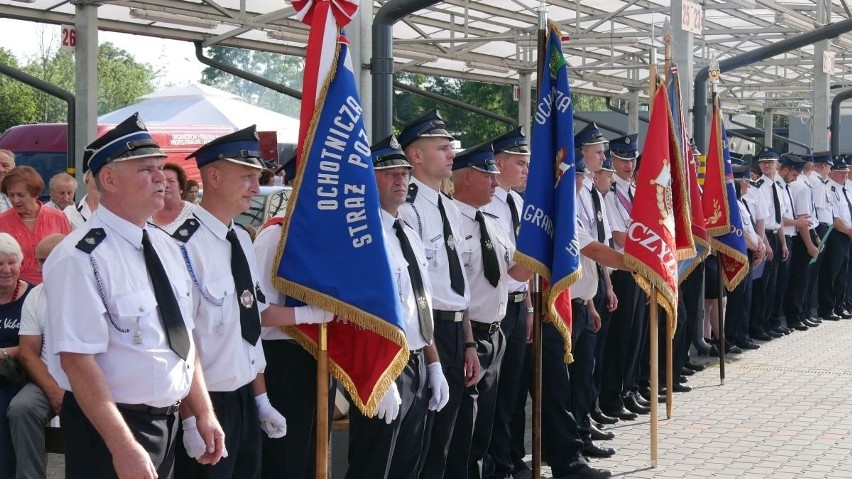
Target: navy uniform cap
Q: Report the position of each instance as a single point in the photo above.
(792, 160)
(513, 142)
(741, 170)
(607, 164)
(387, 154)
(768, 154)
(428, 124)
(625, 147)
(823, 157)
(129, 140)
(839, 163)
(241, 147)
(580, 165)
(589, 135)
(480, 157)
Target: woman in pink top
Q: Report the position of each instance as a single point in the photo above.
(28, 221)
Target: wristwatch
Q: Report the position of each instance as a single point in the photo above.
(530, 309)
(5, 353)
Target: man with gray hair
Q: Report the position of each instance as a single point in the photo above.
(7, 162)
(62, 188)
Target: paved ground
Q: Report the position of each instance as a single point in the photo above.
(783, 413)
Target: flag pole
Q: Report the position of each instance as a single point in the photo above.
(714, 75)
(654, 326)
(667, 41)
(537, 302)
(322, 404)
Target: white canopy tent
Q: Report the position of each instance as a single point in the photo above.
(197, 104)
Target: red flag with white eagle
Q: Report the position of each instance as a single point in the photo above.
(650, 245)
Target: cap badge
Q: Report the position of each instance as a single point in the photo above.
(394, 143)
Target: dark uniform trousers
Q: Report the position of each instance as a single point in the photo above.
(832, 274)
(514, 325)
(472, 432)
(87, 456)
(677, 342)
(738, 309)
(602, 335)
(621, 356)
(811, 294)
(582, 369)
(692, 292)
(797, 281)
(764, 289)
(291, 378)
(449, 339)
(237, 414)
(847, 298)
(777, 301)
(379, 450)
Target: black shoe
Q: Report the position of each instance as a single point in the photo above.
(807, 322)
(732, 349)
(775, 333)
(591, 450)
(694, 366)
(678, 388)
(815, 319)
(601, 418)
(639, 399)
(598, 435)
(686, 371)
(682, 379)
(631, 405)
(586, 471)
(622, 414)
(763, 336)
(830, 317)
(785, 330)
(844, 313)
(748, 345)
(798, 326)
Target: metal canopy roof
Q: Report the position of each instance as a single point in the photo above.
(495, 39)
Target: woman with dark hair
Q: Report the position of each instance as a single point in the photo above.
(266, 177)
(175, 210)
(190, 193)
(28, 221)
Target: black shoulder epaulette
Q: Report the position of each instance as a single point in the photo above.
(412, 193)
(186, 230)
(489, 214)
(759, 182)
(259, 294)
(91, 241)
(833, 189)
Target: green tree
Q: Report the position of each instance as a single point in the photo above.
(18, 99)
(121, 80)
(286, 70)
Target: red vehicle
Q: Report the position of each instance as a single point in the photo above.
(43, 145)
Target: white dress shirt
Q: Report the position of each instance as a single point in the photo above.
(803, 199)
(499, 207)
(265, 250)
(839, 204)
(821, 199)
(78, 214)
(587, 286)
(229, 361)
(787, 207)
(128, 341)
(616, 207)
(766, 191)
(423, 215)
(33, 314)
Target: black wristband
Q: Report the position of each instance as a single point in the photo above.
(470, 345)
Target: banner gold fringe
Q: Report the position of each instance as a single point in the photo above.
(328, 303)
(736, 256)
(681, 210)
(647, 278)
(694, 264)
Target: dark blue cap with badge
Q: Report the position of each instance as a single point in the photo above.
(480, 157)
(513, 142)
(792, 160)
(839, 163)
(241, 147)
(740, 169)
(822, 157)
(129, 140)
(624, 148)
(768, 154)
(589, 135)
(580, 166)
(428, 124)
(387, 154)
(607, 165)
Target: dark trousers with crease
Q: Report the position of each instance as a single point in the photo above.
(691, 290)
(738, 309)
(777, 304)
(621, 356)
(582, 369)
(765, 289)
(832, 274)
(797, 282)
(601, 336)
(87, 456)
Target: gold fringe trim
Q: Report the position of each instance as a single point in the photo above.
(736, 256)
(647, 279)
(682, 210)
(718, 230)
(553, 292)
(532, 264)
(698, 260)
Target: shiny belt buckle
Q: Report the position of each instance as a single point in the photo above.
(493, 327)
(517, 297)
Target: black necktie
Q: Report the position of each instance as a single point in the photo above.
(848, 203)
(630, 192)
(489, 256)
(456, 276)
(424, 315)
(249, 315)
(750, 217)
(777, 202)
(787, 187)
(598, 215)
(513, 208)
(176, 332)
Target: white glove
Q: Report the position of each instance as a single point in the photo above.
(192, 441)
(440, 388)
(271, 421)
(312, 315)
(389, 405)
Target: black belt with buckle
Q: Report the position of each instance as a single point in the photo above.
(517, 297)
(146, 409)
(489, 328)
(415, 352)
(578, 300)
(454, 316)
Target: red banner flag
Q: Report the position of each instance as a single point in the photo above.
(650, 246)
(715, 199)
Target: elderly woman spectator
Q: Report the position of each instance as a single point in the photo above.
(13, 291)
(190, 193)
(175, 210)
(62, 188)
(29, 221)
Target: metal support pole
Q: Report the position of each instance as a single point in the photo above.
(86, 87)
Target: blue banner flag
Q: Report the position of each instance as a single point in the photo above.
(547, 241)
(332, 249)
